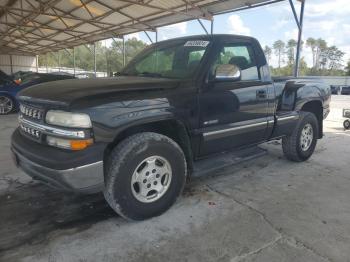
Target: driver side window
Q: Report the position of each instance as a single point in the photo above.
(240, 55)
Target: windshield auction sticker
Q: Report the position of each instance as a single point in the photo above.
(197, 43)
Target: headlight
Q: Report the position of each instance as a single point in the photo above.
(67, 119)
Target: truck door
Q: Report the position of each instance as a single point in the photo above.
(233, 113)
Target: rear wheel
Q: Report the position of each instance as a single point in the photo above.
(6, 104)
(346, 124)
(145, 174)
(300, 145)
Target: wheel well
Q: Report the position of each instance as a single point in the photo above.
(170, 128)
(316, 108)
(7, 94)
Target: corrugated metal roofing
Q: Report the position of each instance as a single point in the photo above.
(39, 26)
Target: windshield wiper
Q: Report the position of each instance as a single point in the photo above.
(149, 74)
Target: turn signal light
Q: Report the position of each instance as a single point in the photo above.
(80, 144)
(69, 144)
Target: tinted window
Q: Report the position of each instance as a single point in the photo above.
(241, 56)
(179, 60)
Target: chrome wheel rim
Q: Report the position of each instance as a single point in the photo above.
(6, 105)
(151, 179)
(307, 135)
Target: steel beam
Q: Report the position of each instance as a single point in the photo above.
(294, 13)
(149, 38)
(301, 21)
(202, 25)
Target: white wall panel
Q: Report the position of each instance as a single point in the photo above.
(19, 63)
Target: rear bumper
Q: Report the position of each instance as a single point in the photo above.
(72, 171)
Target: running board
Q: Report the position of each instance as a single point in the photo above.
(208, 166)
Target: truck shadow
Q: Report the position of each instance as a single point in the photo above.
(32, 213)
(29, 212)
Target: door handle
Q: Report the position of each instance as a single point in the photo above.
(261, 94)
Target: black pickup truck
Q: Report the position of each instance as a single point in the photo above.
(138, 137)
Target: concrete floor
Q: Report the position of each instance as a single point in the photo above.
(268, 209)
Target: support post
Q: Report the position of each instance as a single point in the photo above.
(74, 61)
(124, 58)
(37, 63)
(11, 64)
(47, 63)
(59, 61)
(212, 26)
(301, 20)
(95, 59)
(156, 35)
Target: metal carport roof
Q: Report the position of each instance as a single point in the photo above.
(40, 26)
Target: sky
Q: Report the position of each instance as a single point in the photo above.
(327, 19)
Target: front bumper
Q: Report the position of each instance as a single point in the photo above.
(80, 171)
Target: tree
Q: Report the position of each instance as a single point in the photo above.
(347, 69)
(108, 58)
(291, 48)
(268, 53)
(279, 47)
(333, 57)
(321, 47)
(311, 42)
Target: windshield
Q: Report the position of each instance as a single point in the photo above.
(179, 60)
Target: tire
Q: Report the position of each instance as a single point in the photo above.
(7, 104)
(293, 147)
(346, 124)
(141, 152)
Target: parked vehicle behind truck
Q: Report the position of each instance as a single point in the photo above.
(139, 136)
(11, 85)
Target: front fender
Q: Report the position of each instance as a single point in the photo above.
(113, 118)
(119, 123)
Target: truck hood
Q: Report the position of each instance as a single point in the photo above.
(65, 92)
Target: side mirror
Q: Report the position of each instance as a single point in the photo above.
(227, 72)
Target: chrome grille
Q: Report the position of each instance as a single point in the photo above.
(30, 131)
(31, 112)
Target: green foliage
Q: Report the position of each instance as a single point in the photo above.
(326, 60)
(279, 47)
(347, 69)
(268, 53)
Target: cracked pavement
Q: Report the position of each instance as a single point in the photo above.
(265, 210)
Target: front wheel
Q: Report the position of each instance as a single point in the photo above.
(6, 105)
(300, 145)
(145, 174)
